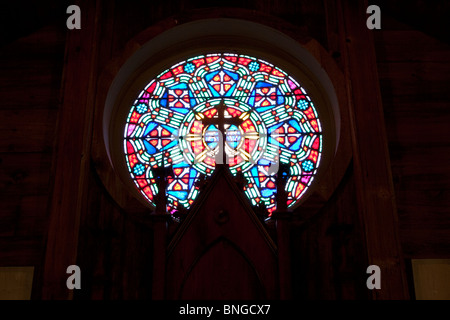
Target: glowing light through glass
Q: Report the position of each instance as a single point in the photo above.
(267, 117)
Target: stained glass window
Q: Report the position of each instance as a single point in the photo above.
(237, 109)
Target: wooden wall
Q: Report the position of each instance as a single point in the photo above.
(113, 248)
(115, 252)
(30, 78)
(414, 71)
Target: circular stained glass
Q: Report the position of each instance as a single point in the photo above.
(223, 108)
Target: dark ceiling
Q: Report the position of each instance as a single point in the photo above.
(20, 18)
(430, 17)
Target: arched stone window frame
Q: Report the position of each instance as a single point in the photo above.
(167, 43)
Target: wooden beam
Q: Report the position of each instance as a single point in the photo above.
(72, 155)
(373, 178)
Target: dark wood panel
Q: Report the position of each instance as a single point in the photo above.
(417, 126)
(409, 45)
(328, 249)
(419, 75)
(425, 243)
(33, 218)
(424, 217)
(114, 250)
(27, 129)
(414, 78)
(419, 132)
(414, 71)
(422, 186)
(432, 112)
(9, 211)
(31, 70)
(30, 88)
(24, 174)
(21, 251)
(398, 107)
(415, 81)
(22, 215)
(410, 158)
(46, 42)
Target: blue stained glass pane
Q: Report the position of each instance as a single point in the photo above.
(141, 108)
(308, 165)
(262, 109)
(262, 84)
(295, 125)
(182, 195)
(275, 142)
(213, 91)
(233, 75)
(170, 129)
(139, 169)
(192, 100)
(254, 173)
(303, 104)
(209, 76)
(264, 162)
(280, 97)
(192, 176)
(267, 193)
(233, 136)
(296, 146)
(189, 67)
(150, 149)
(253, 66)
(163, 100)
(180, 110)
(181, 165)
(274, 127)
(181, 86)
(169, 145)
(150, 127)
(251, 100)
(212, 136)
